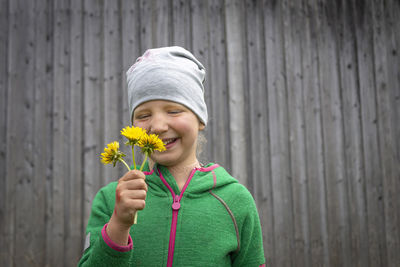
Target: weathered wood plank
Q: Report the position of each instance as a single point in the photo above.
(335, 178)
(279, 136)
(387, 142)
(354, 164)
(20, 133)
(74, 235)
(392, 9)
(92, 101)
(318, 223)
(292, 30)
(112, 83)
(200, 49)
(42, 130)
(180, 30)
(259, 181)
(217, 87)
(235, 59)
(4, 87)
(61, 138)
(162, 23)
(373, 170)
(391, 28)
(130, 51)
(146, 26)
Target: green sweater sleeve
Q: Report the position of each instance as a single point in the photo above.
(251, 251)
(98, 253)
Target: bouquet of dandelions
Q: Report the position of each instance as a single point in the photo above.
(136, 136)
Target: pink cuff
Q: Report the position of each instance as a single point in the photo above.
(262, 265)
(112, 244)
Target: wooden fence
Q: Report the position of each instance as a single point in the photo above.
(304, 103)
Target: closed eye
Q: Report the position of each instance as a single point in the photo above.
(175, 111)
(142, 116)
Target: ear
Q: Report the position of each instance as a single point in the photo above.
(201, 126)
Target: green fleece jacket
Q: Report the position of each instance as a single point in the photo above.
(213, 221)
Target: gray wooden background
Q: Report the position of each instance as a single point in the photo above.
(304, 103)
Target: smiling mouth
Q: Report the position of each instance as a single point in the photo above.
(169, 141)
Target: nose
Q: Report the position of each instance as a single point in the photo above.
(158, 124)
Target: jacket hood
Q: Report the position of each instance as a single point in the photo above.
(201, 180)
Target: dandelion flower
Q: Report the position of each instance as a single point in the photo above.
(150, 143)
(112, 154)
(133, 134)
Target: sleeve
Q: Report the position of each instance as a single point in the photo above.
(99, 249)
(251, 252)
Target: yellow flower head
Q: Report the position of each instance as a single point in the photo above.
(133, 134)
(151, 142)
(111, 154)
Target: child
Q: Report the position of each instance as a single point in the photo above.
(190, 214)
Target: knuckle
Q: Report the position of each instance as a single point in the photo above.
(142, 204)
(142, 183)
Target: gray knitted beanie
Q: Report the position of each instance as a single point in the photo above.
(168, 73)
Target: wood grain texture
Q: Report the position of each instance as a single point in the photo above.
(354, 164)
(4, 38)
(304, 109)
(235, 75)
(292, 26)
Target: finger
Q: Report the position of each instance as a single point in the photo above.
(133, 174)
(133, 194)
(132, 185)
(136, 204)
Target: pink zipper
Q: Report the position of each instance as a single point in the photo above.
(176, 205)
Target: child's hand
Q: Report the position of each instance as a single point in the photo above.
(130, 196)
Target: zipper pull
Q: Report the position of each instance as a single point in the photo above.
(176, 205)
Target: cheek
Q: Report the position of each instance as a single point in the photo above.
(188, 130)
(142, 125)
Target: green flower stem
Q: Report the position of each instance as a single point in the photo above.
(123, 161)
(133, 158)
(141, 168)
(144, 161)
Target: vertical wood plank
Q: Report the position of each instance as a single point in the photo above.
(279, 139)
(292, 28)
(373, 169)
(354, 164)
(20, 133)
(335, 178)
(112, 84)
(387, 142)
(93, 100)
(146, 25)
(235, 60)
(4, 86)
(257, 117)
(61, 138)
(42, 131)
(392, 9)
(181, 23)
(391, 28)
(200, 49)
(130, 51)
(74, 235)
(318, 223)
(161, 33)
(217, 88)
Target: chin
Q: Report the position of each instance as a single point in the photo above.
(168, 162)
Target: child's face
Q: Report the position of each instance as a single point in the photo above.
(176, 125)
